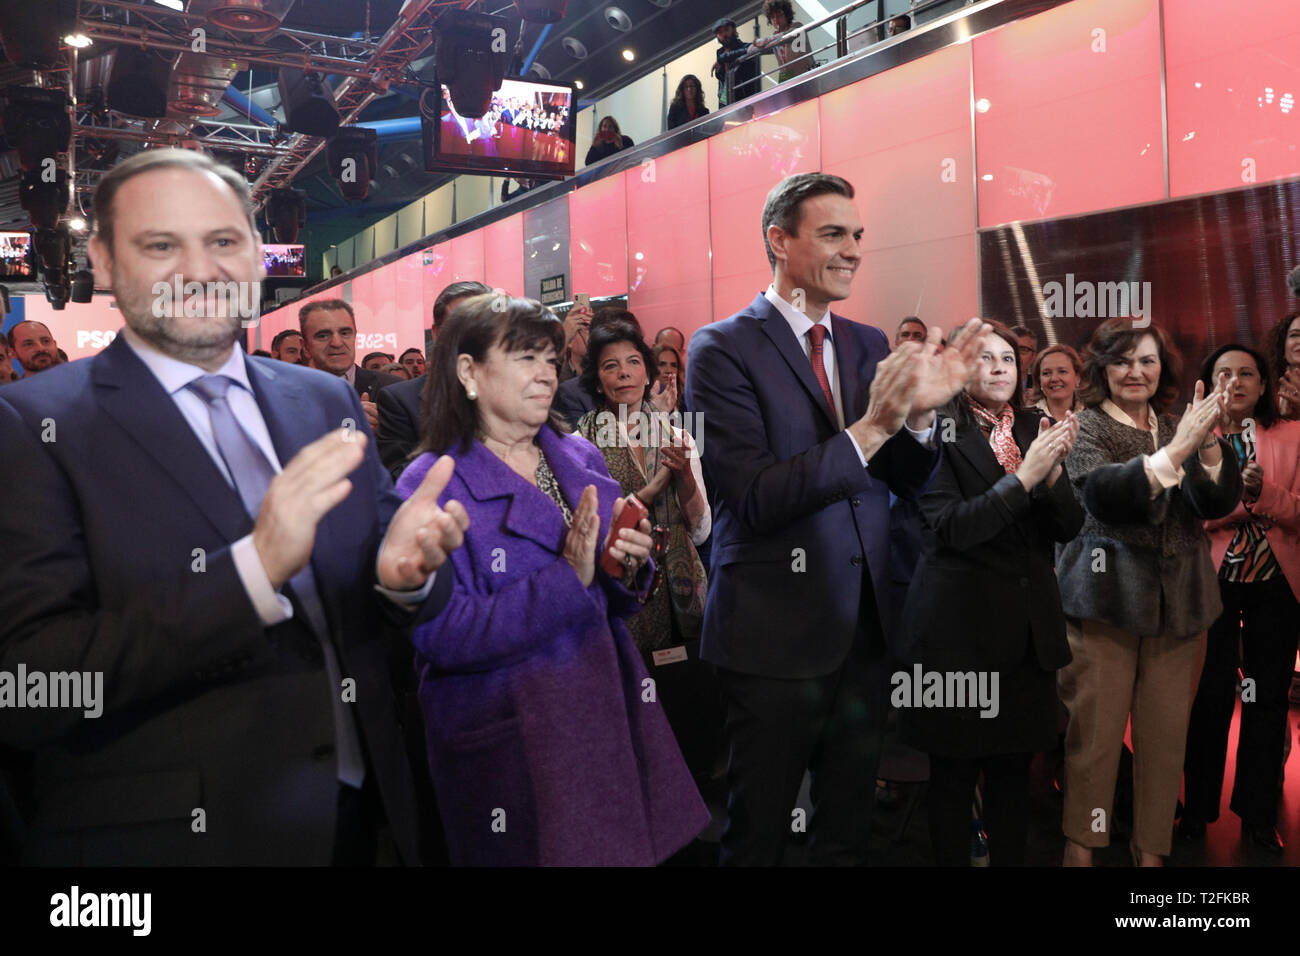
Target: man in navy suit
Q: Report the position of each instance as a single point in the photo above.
(213, 535)
(811, 422)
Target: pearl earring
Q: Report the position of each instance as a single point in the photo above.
(471, 394)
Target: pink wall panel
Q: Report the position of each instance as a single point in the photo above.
(744, 164)
(936, 280)
(668, 241)
(1232, 93)
(81, 328)
(598, 237)
(466, 259)
(503, 255)
(912, 174)
(1074, 117)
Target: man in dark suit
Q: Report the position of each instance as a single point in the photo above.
(399, 405)
(193, 530)
(329, 329)
(806, 413)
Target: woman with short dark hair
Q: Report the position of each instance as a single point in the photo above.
(984, 601)
(1257, 553)
(543, 747)
(1137, 584)
(658, 462)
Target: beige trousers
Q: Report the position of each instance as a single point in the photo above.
(1116, 677)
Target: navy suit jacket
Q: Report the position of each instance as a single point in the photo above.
(796, 516)
(399, 422)
(116, 535)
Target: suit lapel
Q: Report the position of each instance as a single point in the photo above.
(778, 330)
(848, 359)
(974, 447)
(130, 394)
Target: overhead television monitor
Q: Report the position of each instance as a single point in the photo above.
(527, 133)
(284, 260)
(15, 262)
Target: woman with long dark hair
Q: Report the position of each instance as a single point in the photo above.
(984, 601)
(609, 139)
(688, 102)
(1256, 550)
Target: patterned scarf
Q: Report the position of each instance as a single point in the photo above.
(1004, 442)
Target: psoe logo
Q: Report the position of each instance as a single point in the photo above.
(95, 338)
(1098, 300)
(946, 689)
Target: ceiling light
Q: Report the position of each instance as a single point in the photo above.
(578, 84)
(982, 105)
(78, 40)
(77, 225)
(629, 55)
(172, 4)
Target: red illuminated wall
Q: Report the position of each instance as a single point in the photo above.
(1055, 115)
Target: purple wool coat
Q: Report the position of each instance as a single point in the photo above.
(542, 745)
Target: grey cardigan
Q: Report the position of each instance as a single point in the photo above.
(1139, 563)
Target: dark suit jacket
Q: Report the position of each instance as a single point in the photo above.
(572, 401)
(368, 380)
(985, 586)
(399, 422)
(117, 559)
(795, 514)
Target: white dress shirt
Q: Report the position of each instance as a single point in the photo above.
(174, 375)
(1160, 471)
(801, 325)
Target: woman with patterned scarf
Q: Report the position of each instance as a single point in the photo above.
(983, 612)
(658, 463)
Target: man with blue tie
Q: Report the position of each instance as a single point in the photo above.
(811, 423)
(213, 534)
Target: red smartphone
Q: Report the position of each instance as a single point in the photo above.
(631, 515)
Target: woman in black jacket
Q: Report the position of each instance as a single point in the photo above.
(983, 612)
(688, 102)
(609, 140)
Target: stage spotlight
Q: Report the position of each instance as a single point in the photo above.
(467, 59)
(286, 213)
(541, 11)
(77, 224)
(44, 201)
(308, 103)
(82, 286)
(78, 41)
(353, 154)
(36, 124)
(32, 33)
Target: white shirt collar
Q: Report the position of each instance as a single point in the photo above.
(799, 323)
(173, 374)
(351, 375)
(1121, 416)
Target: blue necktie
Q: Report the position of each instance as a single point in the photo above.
(252, 474)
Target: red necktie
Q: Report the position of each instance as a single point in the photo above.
(818, 335)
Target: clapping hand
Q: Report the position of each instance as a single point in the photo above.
(1252, 481)
(422, 534)
(1198, 421)
(663, 394)
(942, 374)
(1042, 460)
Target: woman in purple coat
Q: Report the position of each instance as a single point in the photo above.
(547, 743)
